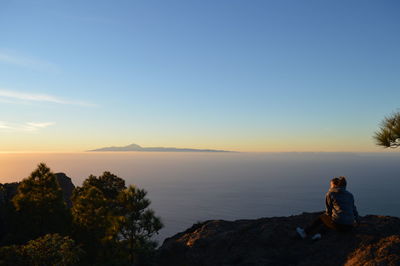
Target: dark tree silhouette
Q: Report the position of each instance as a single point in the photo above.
(40, 207)
(389, 133)
(114, 223)
(94, 211)
(109, 184)
(111, 224)
(137, 224)
(51, 249)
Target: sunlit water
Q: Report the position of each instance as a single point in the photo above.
(189, 187)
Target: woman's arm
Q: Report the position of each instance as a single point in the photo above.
(328, 204)
(355, 212)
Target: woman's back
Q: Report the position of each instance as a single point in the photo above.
(340, 205)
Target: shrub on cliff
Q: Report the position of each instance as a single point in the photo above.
(51, 249)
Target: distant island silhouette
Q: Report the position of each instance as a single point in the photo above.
(135, 147)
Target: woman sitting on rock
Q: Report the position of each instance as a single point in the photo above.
(340, 214)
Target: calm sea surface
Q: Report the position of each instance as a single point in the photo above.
(189, 187)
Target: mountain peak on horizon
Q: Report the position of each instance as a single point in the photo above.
(136, 147)
(133, 145)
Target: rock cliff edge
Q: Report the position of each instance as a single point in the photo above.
(272, 241)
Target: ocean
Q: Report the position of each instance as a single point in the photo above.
(186, 188)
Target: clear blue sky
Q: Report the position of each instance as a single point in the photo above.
(239, 75)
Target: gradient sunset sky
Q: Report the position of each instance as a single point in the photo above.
(235, 75)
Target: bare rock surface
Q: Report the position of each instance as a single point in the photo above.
(273, 241)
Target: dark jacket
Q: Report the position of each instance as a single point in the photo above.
(340, 206)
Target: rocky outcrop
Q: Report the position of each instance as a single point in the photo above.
(67, 187)
(273, 241)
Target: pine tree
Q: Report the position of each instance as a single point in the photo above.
(389, 132)
(109, 184)
(114, 223)
(137, 224)
(95, 211)
(90, 219)
(40, 208)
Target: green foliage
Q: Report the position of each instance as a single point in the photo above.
(111, 223)
(51, 249)
(90, 212)
(8, 219)
(389, 132)
(40, 208)
(95, 211)
(12, 255)
(109, 184)
(137, 224)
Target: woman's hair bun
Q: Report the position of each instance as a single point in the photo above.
(339, 181)
(342, 181)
